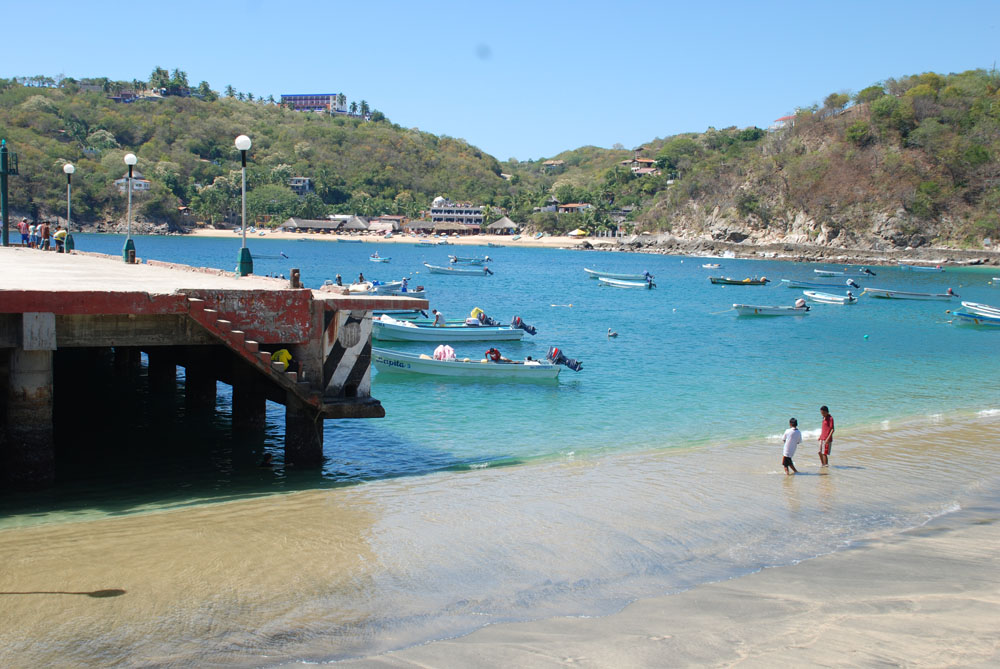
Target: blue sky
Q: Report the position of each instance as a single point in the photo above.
(517, 79)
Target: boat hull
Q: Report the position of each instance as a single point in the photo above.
(618, 283)
(759, 310)
(792, 283)
(726, 281)
(594, 274)
(828, 298)
(905, 295)
(457, 271)
(446, 334)
(978, 319)
(919, 268)
(396, 362)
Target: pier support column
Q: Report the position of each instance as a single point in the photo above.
(249, 403)
(303, 435)
(27, 457)
(162, 370)
(127, 360)
(199, 380)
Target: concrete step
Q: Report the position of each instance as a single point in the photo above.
(195, 304)
(251, 346)
(237, 337)
(265, 357)
(224, 325)
(292, 376)
(210, 315)
(278, 367)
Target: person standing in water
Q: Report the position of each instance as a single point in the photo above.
(792, 438)
(825, 436)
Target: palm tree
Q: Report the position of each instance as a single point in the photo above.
(365, 109)
(230, 91)
(354, 108)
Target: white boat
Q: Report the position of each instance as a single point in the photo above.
(887, 294)
(758, 310)
(379, 259)
(712, 265)
(386, 328)
(470, 260)
(594, 274)
(829, 298)
(460, 271)
(977, 319)
(864, 271)
(984, 309)
(396, 288)
(425, 242)
(921, 268)
(619, 283)
(386, 360)
(793, 283)
(444, 242)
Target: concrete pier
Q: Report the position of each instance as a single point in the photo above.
(217, 326)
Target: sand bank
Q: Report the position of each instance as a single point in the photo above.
(926, 597)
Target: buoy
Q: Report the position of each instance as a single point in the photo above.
(866, 336)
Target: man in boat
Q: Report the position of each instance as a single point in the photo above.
(361, 277)
(405, 284)
(493, 355)
(438, 318)
(791, 440)
(340, 281)
(825, 436)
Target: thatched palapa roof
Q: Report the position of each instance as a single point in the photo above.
(502, 224)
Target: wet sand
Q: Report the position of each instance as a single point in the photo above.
(927, 597)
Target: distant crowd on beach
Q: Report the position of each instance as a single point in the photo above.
(792, 438)
(41, 236)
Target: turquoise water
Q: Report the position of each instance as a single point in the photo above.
(683, 369)
(654, 469)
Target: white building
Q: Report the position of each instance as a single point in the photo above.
(446, 211)
(139, 184)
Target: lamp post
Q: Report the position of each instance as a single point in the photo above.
(69, 169)
(128, 251)
(246, 260)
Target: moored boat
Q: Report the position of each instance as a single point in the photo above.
(864, 271)
(469, 260)
(350, 241)
(712, 265)
(763, 310)
(378, 258)
(727, 281)
(425, 242)
(386, 360)
(595, 274)
(887, 294)
(977, 319)
(794, 283)
(495, 246)
(979, 308)
(921, 268)
(386, 328)
(619, 283)
(459, 271)
(830, 298)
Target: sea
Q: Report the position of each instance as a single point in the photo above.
(654, 469)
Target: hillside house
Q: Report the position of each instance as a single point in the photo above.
(139, 183)
(573, 207)
(300, 185)
(641, 166)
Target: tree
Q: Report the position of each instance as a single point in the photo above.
(341, 100)
(206, 93)
(353, 108)
(836, 101)
(230, 91)
(178, 84)
(160, 78)
(365, 109)
(869, 94)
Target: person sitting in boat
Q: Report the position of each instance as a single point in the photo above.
(493, 355)
(406, 282)
(340, 281)
(438, 318)
(361, 277)
(375, 255)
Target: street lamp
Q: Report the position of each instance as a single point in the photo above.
(128, 251)
(69, 169)
(246, 260)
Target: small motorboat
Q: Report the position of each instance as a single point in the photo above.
(349, 241)
(921, 268)
(595, 274)
(425, 242)
(887, 294)
(470, 260)
(459, 271)
(793, 283)
(830, 298)
(984, 309)
(758, 310)
(387, 328)
(727, 281)
(444, 242)
(619, 283)
(712, 265)
(386, 360)
(977, 318)
(495, 246)
(864, 271)
(515, 238)
(377, 258)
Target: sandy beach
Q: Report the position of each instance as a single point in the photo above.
(468, 240)
(929, 597)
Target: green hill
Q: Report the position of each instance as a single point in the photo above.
(907, 162)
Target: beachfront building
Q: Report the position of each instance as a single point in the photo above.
(504, 226)
(446, 211)
(331, 103)
(310, 225)
(139, 183)
(300, 185)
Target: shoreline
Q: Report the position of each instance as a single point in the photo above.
(928, 595)
(665, 244)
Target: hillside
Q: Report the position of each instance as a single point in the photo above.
(185, 147)
(908, 162)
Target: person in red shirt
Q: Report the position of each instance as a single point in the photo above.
(825, 436)
(494, 356)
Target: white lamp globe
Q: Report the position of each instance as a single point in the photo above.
(130, 159)
(68, 168)
(243, 143)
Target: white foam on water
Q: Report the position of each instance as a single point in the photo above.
(985, 413)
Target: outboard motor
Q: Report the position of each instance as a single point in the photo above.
(517, 323)
(487, 270)
(868, 272)
(557, 357)
(491, 322)
(850, 282)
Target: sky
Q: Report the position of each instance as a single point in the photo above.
(517, 79)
